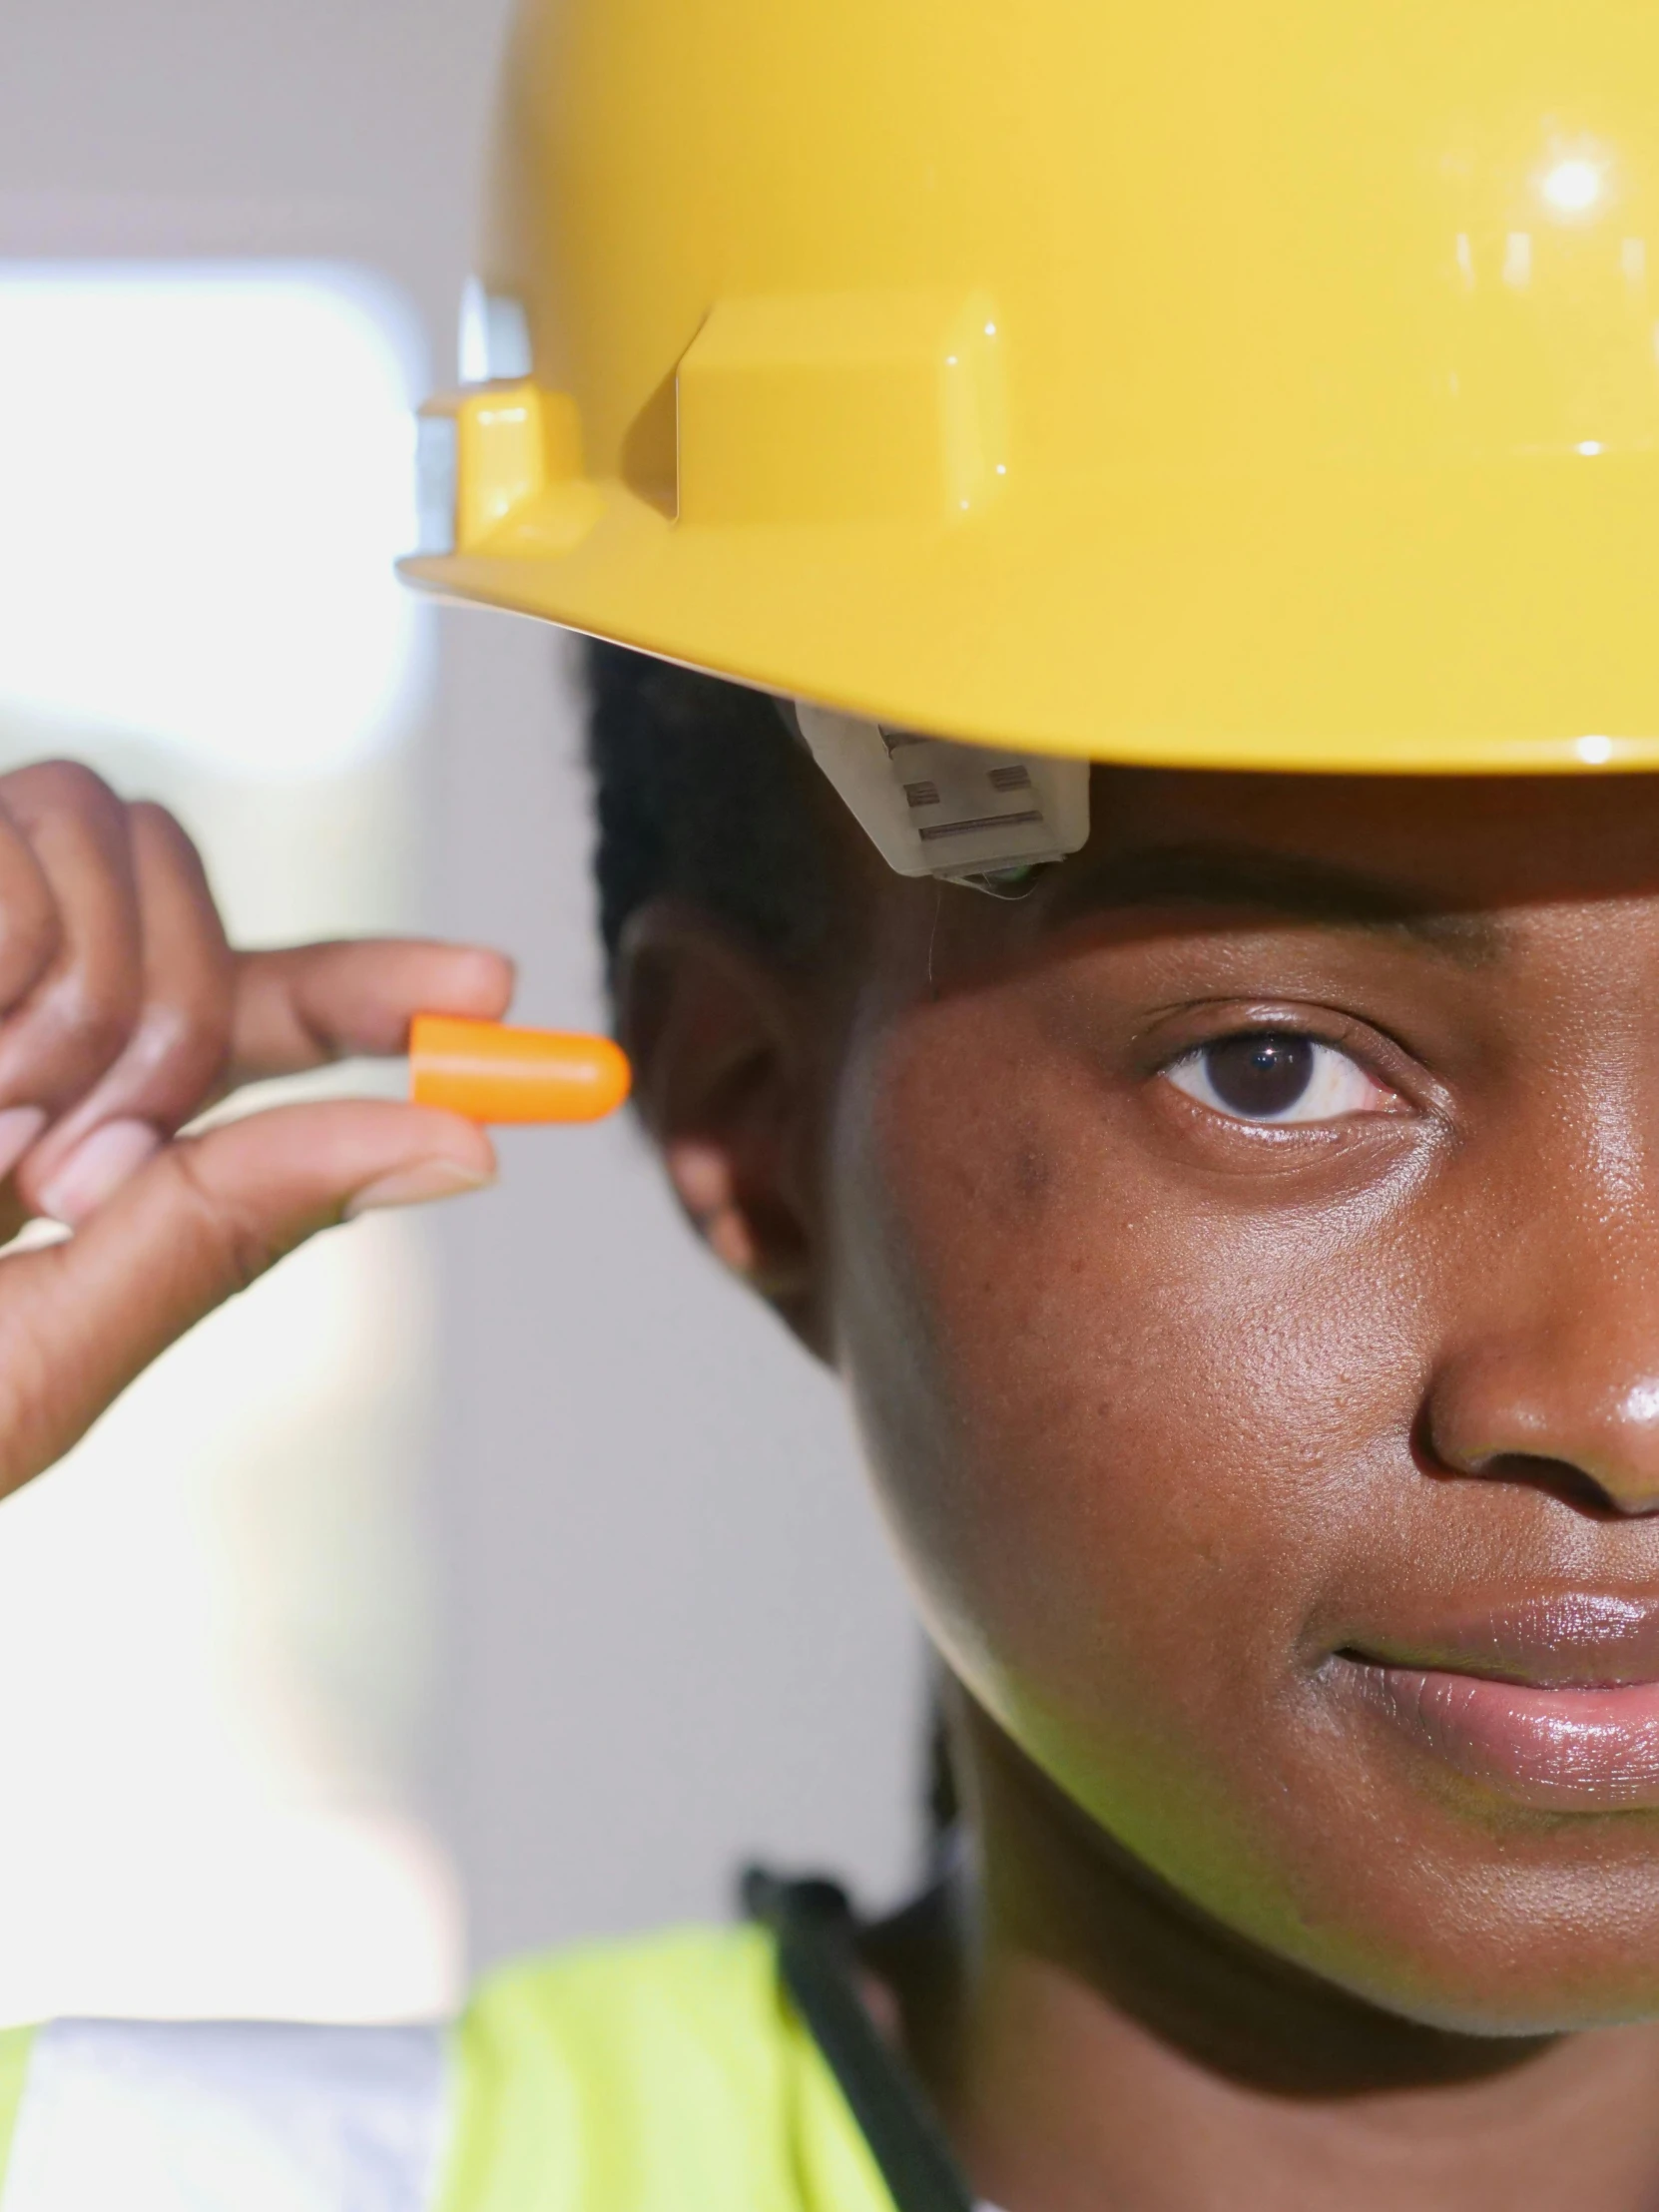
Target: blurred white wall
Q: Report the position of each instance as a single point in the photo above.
(667, 1631)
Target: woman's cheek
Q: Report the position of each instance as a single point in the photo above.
(1110, 1417)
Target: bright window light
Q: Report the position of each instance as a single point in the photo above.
(206, 474)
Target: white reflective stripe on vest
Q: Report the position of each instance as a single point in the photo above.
(123, 2116)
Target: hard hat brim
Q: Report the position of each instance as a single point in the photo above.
(1478, 618)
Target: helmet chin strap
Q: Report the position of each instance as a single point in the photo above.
(963, 813)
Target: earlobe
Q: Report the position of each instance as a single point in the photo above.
(723, 1083)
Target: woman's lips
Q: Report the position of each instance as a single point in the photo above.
(1561, 1748)
(1554, 1702)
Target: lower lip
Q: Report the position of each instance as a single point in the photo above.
(1562, 1750)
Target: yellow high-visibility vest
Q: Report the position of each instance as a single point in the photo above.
(667, 2075)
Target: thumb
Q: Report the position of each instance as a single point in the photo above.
(205, 1218)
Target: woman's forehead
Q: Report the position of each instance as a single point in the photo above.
(1425, 842)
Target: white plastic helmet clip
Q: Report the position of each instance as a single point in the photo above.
(962, 812)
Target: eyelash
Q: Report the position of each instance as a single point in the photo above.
(1334, 1085)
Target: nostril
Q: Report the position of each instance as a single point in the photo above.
(1534, 1425)
(1574, 1485)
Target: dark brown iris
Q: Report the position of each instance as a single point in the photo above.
(1260, 1075)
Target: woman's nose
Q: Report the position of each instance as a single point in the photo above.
(1512, 1422)
(1563, 1393)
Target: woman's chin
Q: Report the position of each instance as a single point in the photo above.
(1516, 1967)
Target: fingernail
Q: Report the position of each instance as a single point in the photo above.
(19, 1127)
(414, 1185)
(96, 1168)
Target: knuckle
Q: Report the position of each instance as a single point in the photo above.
(184, 1052)
(95, 1015)
(31, 931)
(66, 785)
(237, 1246)
(167, 855)
(150, 820)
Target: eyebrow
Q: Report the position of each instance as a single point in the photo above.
(1282, 885)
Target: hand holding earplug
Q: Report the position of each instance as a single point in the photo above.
(123, 1013)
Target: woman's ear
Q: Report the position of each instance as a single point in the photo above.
(725, 1082)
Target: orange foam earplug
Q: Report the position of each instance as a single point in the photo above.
(488, 1072)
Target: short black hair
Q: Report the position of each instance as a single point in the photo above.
(702, 792)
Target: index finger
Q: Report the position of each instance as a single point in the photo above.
(306, 1005)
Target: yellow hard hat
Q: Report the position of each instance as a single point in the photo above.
(1218, 382)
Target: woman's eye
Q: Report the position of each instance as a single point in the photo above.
(1276, 1076)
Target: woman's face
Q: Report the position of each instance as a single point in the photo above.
(1246, 1265)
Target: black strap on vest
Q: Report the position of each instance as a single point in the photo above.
(813, 1925)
